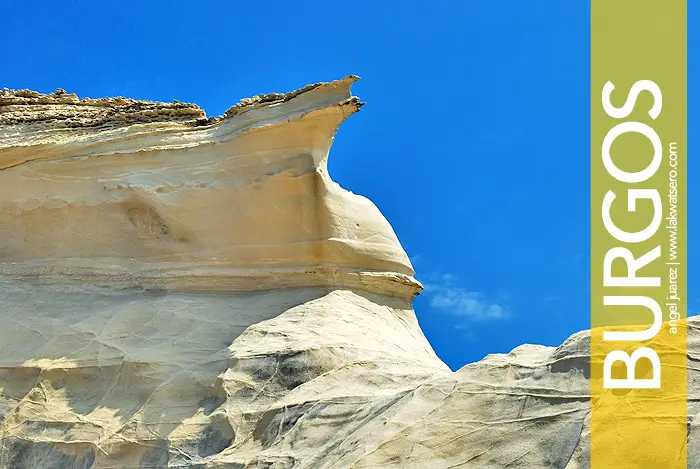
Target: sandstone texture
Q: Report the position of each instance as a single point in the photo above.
(180, 291)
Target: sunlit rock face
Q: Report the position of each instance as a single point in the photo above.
(179, 291)
(132, 194)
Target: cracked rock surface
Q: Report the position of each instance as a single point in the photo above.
(180, 291)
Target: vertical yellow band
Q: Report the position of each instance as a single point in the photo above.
(638, 234)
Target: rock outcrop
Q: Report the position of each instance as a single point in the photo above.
(180, 291)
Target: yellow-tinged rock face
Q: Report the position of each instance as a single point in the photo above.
(166, 279)
(151, 194)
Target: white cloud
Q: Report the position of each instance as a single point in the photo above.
(415, 259)
(447, 297)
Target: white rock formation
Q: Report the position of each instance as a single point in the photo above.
(184, 292)
(136, 194)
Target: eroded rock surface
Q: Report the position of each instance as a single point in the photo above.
(180, 291)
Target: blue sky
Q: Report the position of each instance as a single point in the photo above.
(474, 142)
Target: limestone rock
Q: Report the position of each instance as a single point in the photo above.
(132, 194)
(180, 291)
